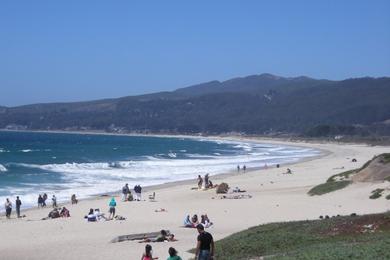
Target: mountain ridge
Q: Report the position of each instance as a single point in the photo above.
(254, 104)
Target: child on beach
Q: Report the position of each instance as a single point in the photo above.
(112, 206)
(148, 253)
(173, 254)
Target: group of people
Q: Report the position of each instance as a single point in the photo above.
(42, 201)
(8, 207)
(147, 255)
(57, 213)
(205, 183)
(243, 168)
(128, 196)
(204, 247)
(194, 221)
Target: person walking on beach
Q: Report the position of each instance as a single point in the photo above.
(205, 244)
(54, 201)
(112, 206)
(125, 192)
(244, 167)
(238, 168)
(8, 208)
(18, 203)
(44, 197)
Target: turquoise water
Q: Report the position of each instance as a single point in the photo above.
(63, 164)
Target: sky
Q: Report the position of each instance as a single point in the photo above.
(63, 51)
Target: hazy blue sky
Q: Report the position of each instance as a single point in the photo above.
(52, 51)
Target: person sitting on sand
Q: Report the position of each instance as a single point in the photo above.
(65, 213)
(54, 213)
(99, 215)
(173, 254)
(73, 199)
(194, 220)
(288, 171)
(91, 217)
(112, 206)
(148, 253)
(205, 221)
(187, 222)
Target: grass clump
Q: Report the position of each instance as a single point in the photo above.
(361, 237)
(341, 176)
(328, 187)
(335, 182)
(377, 193)
(385, 158)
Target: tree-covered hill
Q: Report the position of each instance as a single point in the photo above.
(255, 104)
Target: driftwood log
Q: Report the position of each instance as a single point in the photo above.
(139, 236)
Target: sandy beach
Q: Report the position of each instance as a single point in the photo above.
(275, 197)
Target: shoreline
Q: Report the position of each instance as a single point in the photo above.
(174, 183)
(275, 197)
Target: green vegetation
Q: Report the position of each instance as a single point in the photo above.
(341, 176)
(361, 237)
(335, 182)
(257, 104)
(377, 193)
(328, 187)
(387, 178)
(386, 158)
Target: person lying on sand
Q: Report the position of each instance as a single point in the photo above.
(236, 189)
(241, 196)
(161, 210)
(164, 236)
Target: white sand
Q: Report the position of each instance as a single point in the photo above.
(276, 197)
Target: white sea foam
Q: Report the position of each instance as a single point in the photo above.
(2, 168)
(86, 179)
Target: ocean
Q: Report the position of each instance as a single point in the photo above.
(33, 163)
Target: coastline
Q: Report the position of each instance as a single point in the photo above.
(214, 176)
(275, 197)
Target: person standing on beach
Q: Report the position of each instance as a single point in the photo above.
(125, 192)
(40, 201)
(8, 208)
(112, 206)
(205, 244)
(244, 168)
(18, 203)
(44, 198)
(200, 182)
(54, 200)
(206, 181)
(238, 168)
